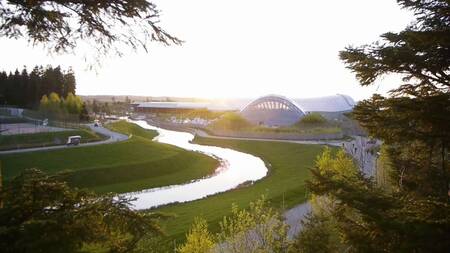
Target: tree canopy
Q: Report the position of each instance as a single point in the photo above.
(26, 89)
(355, 215)
(41, 213)
(258, 229)
(420, 53)
(413, 123)
(415, 118)
(104, 24)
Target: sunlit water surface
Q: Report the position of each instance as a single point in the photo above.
(235, 169)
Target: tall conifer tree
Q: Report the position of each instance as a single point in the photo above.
(413, 122)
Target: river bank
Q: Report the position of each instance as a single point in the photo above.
(236, 168)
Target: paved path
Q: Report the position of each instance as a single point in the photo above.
(294, 216)
(357, 148)
(202, 133)
(113, 137)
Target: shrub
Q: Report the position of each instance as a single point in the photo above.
(231, 121)
(313, 119)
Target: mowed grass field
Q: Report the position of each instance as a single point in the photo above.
(140, 163)
(132, 165)
(45, 139)
(284, 187)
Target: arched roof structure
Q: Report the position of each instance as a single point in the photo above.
(335, 103)
(273, 110)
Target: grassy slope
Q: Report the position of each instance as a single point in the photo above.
(132, 165)
(45, 139)
(312, 124)
(127, 165)
(131, 129)
(284, 186)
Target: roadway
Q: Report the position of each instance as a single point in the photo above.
(113, 137)
(357, 148)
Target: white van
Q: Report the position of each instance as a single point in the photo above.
(73, 140)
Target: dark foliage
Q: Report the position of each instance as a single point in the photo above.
(84, 114)
(103, 24)
(40, 213)
(413, 122)
(415, 119)
(315, 237)
(25, 89)
(421, 52)
(371, 220)
(416, 131)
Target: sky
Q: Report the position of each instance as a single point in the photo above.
(237, 49)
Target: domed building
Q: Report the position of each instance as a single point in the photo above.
(275, 110)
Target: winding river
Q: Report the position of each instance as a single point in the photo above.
(235, 169)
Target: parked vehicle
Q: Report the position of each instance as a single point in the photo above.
(73, 140)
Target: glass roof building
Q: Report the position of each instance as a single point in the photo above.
(275, 110)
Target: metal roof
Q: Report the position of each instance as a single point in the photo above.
(336, 103)
(172, 105)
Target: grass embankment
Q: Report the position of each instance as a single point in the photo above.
(140, 163)
(45, 139)
(131, 129)
(310, 125)
(284, 186)
(131, 165)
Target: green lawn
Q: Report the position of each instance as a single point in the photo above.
(131, 129)
(284, 186)
(131, 165)
(140, 163)
(45, 139)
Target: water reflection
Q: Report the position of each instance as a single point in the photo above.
(235, 168)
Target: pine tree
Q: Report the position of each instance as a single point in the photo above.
(60, 26)
(413, 121)
(415, 118)
(69, 84)
(84, 114)
(25, 90)
(41, 213)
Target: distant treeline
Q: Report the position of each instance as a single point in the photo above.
(25, 89)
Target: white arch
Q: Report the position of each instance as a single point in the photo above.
(274, 98)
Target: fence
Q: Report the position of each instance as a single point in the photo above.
(22, 121)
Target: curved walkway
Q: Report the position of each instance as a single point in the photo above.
(202, 133)
(294, 215)
(113, 137)
(357, 148)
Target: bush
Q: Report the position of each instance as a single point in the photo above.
(41, 213)
(313, 119)
(260, 228)
(231, 121)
